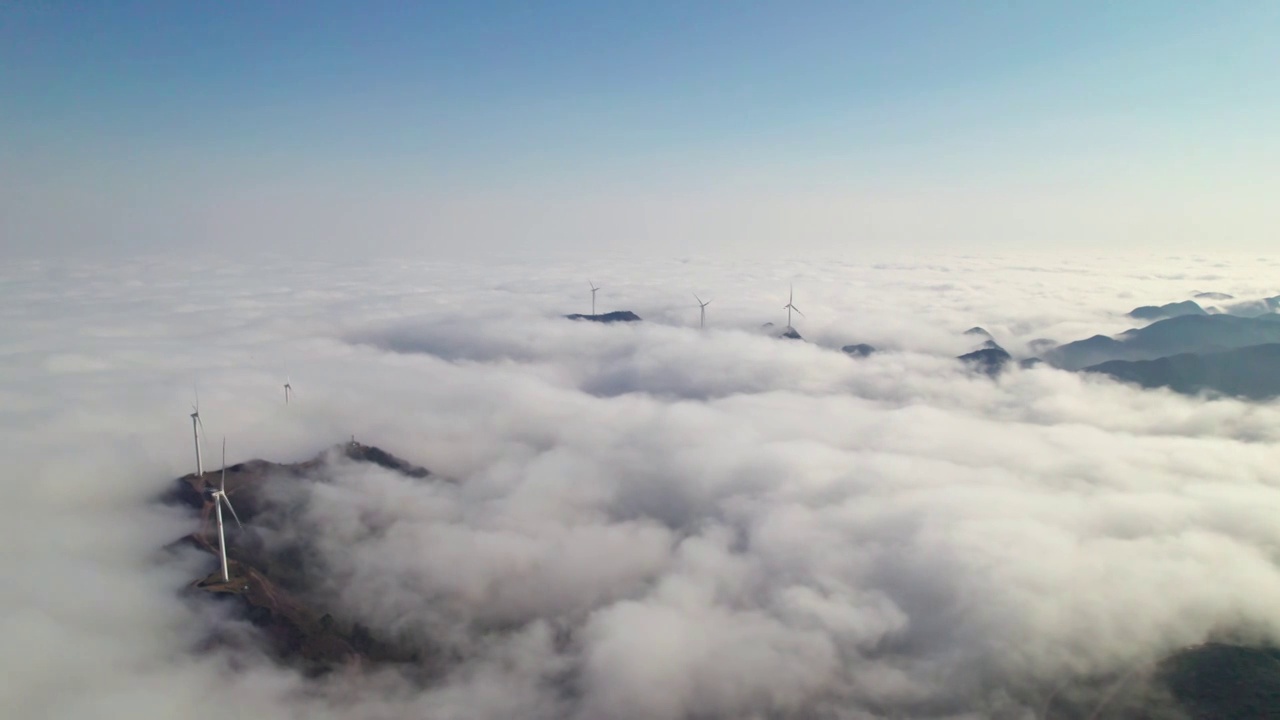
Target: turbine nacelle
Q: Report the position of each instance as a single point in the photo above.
(220, 496)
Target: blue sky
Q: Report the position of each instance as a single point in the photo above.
(704, 126)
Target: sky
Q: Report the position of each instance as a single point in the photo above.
(722, 524)
(502, 129)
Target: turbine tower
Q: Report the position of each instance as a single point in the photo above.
(197, 425)
(791, 306)
(220, 497)
(702, 310)
(593, 296)
(288, 389)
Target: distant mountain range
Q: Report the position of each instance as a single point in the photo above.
(1249, 372)
(1247, 308)
(1254, 308)
(1187, 349)
(1164, 338)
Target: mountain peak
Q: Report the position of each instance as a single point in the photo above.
(609, 317)
(1169, 310)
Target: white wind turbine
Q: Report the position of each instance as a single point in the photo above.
(702, 310)
(790, 306)
(288, 389)
(220, 497)
(197, 427)
(593, 296)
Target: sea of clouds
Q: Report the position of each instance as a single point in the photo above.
(648, 521)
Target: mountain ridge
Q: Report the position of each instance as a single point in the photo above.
(1251, 372)
(1172, 336)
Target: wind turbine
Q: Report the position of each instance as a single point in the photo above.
(288, 389)
(790, 306)
(220, 497)
(593, 296)
(702, 310)
(197, 426)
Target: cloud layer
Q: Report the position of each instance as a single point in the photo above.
(649, 521)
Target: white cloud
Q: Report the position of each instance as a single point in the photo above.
(648, 521)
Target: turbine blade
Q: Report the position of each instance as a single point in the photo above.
(798, 311)
(227, 500)
(695, 297)
(223, 486)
